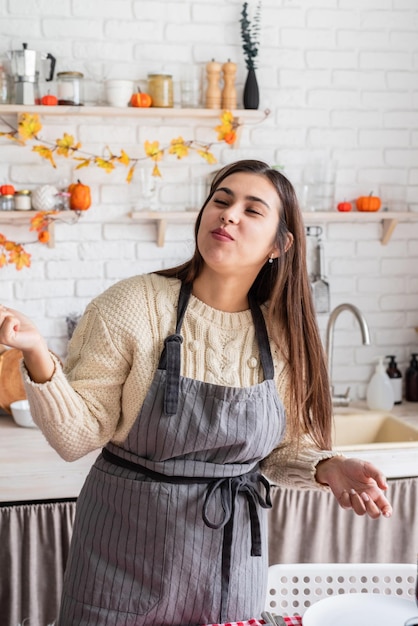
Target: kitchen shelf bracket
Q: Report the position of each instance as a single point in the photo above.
(388, 227)
(389, 222)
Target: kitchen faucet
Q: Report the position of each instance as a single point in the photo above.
(343, 399)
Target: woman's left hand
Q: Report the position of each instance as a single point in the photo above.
(356, 484)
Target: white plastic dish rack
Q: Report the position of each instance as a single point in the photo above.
(292, 588)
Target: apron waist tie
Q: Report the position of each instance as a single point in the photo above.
(229, 487)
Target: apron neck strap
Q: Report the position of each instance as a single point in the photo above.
(262, 338)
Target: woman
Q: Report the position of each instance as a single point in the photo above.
(192, 378)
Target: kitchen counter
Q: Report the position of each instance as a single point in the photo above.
(30, 470)
(35, 538)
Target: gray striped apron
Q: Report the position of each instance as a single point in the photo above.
(170, 527)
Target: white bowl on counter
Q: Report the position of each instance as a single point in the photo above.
(21, 414)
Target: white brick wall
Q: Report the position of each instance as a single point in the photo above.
(341, 80)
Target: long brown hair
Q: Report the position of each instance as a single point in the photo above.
(284, 285)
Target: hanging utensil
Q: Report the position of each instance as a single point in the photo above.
(320, 287)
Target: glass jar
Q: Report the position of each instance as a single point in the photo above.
(23, 201)
(7, 203)
(70, 88)
(4, 86)
(160, 88)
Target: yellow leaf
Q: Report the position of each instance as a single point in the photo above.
(37, 221)
(29, 125)
(124, 158)
(3, 259)
(19, 257)
(179, 147)
(156, 171)
(208, 156)
(153, 151)
(45, 153)
(84, 163)
(66, 145)
(104, 164)
(227, 117)
(13, 136)
(130, 174)
(41, 220)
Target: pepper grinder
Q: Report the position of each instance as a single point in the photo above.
(229, 92)
(213, 91)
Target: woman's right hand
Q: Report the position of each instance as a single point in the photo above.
(17, 331)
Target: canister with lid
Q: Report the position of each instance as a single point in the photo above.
(70, 88)
(160, 88)
(23, 200)
(7, 202)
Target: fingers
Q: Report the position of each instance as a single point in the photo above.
(376, 474)
(9, 324)
(363, 504)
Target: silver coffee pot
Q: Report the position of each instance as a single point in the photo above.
(25, 69)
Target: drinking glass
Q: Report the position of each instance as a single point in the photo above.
(99, 72)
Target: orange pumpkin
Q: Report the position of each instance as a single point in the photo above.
(80, 197)
(49, 100)
(7, 190)
(141, 99)
(368, 203)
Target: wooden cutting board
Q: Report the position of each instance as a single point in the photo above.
(11, 382)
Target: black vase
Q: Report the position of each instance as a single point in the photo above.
(251, 94)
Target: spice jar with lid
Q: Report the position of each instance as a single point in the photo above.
(23, 200)
(70, 88)
(7, 202)
(160, 88)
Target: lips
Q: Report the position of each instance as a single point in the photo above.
(221, 234)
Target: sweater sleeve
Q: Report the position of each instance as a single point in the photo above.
(296, 467)
(291, 464)
(79, 408)
(112, 357)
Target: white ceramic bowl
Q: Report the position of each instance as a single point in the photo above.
(119, 92)
(21, 414)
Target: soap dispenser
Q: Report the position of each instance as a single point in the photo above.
(411, 380)
(379, 390)
(395, 378)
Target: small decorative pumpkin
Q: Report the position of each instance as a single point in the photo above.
(44, 198)
(80, 197)
(344, 207)
(7, 190)
(141, 99)
(369, 203)
(49, 100)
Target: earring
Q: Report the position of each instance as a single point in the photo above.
(271, 259)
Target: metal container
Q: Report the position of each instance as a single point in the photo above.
(160, 88)
(70, 88)
(7, 203)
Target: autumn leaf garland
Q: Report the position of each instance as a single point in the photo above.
(29, 127)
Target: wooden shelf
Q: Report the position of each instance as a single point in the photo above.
(389, 219)
(139, 112)
(69, 217)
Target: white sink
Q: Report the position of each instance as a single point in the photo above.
(387, 441)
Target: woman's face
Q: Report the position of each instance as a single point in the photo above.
(239, 224)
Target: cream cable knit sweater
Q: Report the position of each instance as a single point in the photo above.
(114, 353)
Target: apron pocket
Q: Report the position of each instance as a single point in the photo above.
(118, 549)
